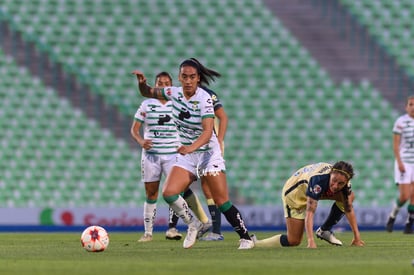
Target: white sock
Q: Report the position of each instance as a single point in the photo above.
(150, 211)
(395, 211)
(182, 210)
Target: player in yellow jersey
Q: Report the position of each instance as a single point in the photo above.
(300, 195)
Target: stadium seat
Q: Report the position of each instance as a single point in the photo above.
(277, 123)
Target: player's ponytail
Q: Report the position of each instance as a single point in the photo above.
(206, 74)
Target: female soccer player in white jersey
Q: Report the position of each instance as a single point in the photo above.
(300, 195)
(403, 146)
(159, 149)
(220, 128)
(199, 153)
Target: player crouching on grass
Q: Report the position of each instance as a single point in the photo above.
(300, 195)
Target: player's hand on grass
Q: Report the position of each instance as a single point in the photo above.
(311, 244)
(357, 242)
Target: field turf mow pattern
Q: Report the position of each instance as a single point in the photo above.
(61, 253)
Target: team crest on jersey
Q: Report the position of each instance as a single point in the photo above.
(168, 91)
(195, 105)
(143, 114)
(317, 189)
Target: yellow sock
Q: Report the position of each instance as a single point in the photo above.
(210, 202)
(273, 241)
(195, 205)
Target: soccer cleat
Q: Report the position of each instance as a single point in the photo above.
(193, 228)
(327, 236)
(408, 229)
(173, 234)
(254, 238)
(246, 244)
(390, 224)
(145, 238)
(212, 237)
(204, 229)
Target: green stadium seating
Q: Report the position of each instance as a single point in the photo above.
(391, 23)
(49, 150)
(284, 109)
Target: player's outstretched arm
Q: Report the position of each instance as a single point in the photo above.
(145, 89)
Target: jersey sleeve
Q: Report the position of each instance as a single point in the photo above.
(398, 127)
(315, 188)
(207, 108)
(168, 92)
(141, 113)
(216, 101)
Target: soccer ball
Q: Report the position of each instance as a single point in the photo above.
(95, 239)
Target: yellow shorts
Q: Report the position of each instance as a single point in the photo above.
(294, 198)
(296, 213)
(294, 203)
(300, 213)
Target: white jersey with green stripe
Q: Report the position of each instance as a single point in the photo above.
(189, 113)
(158, 125)
(404, 126)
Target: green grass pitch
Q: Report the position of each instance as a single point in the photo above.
(61, 253)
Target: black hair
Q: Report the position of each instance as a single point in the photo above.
(206, 74)
(344, 168)
(163, 73)
(347, 170)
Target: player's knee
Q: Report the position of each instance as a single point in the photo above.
(294, 242)
(152, 197)
(220, 201)
(291, 240)
(166, 193)
(170, 199)
(151, 194)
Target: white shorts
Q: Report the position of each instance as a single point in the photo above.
(404, 178)
(202, 163)
(154, 166)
